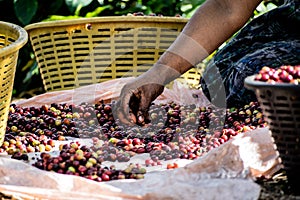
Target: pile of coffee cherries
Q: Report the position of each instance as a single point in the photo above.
(175, 132)
(283, 74)
(80, 160)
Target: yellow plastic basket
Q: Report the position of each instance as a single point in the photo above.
(77, 52)
(12, 38)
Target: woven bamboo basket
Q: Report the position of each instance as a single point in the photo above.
(12, 39)
(78, 52)
(280, 103)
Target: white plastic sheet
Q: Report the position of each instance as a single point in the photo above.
(226, 172)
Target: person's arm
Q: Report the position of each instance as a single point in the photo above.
(212, 24)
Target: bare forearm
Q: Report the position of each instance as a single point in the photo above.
(217, 20)
(212, 24)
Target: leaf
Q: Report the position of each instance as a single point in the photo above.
(97, 11)
(263, 8)
(101, 2)
(77, 11)
(74, 4)
(189, 13)
(60, 17)
(54, 6)
(190, 7)
(271, 6)
(33, 70)
(25, 10)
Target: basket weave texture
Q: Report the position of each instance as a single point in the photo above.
(78, 52)
(12, 39)
(280, 103)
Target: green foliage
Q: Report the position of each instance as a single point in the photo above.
(75, 5)
(25, 10)
(191, 7)
(263, 8)
(93, 13)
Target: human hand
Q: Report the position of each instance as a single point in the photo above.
(134, 102)
(137, 95)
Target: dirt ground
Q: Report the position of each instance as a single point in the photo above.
(278, 188)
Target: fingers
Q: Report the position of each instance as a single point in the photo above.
(136, 113)
(125, 97)
(143, 112)
(122, 112)
(143, 117)
(133, 119)
(134, 102)
(133, 105)
(146, 100)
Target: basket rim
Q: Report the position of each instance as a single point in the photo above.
(250, 83)
(19, 43)
(140, 19)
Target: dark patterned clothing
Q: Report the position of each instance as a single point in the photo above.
(272, 39)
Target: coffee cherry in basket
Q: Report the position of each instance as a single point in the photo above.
(283, 74)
